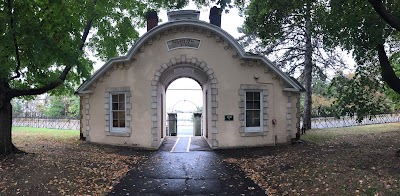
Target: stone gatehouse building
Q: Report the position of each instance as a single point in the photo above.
(247, 100)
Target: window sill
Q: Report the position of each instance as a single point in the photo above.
(118, 134)
(253, 134)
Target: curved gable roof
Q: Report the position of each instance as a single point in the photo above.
(295, 85)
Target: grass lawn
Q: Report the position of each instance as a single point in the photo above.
(58, 163)
(323, 135)
(341, 161)
(30, 134)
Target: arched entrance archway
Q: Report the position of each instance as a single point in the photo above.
(196, 70)
(184, 100)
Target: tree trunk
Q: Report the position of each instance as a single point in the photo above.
(6, 145)
(307, 73)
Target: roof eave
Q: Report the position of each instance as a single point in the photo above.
(196, 23)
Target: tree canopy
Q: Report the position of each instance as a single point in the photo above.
(367, 28)
(43, 41)
(289, 32)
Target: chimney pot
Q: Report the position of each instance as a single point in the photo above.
(215, 16)
(152, 19)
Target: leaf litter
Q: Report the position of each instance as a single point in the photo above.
(67, 167)
(365, 164)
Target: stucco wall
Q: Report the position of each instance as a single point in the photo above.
(230, 71)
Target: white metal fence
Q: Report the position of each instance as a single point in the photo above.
(346, 121)
(316, 123)
(51, 123)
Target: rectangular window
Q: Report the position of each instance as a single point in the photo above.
(118, 111)
(253, 111)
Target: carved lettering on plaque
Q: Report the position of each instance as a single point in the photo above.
(183, 43)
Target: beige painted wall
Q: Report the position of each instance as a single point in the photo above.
(229, 72)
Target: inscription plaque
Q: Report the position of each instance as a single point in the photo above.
(183, 43)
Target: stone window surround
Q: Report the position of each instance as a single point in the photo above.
(87, 116)
(298, 114)
(289, 116)
(128, 108)
(264, 121)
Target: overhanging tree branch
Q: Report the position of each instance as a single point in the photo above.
(62, 77)
(388, 74)
(382, 11)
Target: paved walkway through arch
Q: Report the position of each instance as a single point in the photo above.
(200, 171)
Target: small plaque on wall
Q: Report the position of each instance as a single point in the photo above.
(183, 43)
(228, 117)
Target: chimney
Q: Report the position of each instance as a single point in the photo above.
(215, 16)
(152, 19)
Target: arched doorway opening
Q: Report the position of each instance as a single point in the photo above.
(197, 71)
(184, 98)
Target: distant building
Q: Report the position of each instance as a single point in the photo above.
(247, 100)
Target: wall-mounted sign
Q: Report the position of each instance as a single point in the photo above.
(183, 43)
(228, 117)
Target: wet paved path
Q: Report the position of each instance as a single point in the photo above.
(200, 171)
(182, 144)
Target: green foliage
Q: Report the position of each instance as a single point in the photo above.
(62, 106)
(40, 38)
(74, 107)
(16, 106)
(321, 87)
(361, 94)
(355, 26)
(271, 27)
(177, 4)
(322, 106)
(267, 18)
(322, 99)
(56, 107)
(289, 33)
(394, 96)
(277, 29)
(47, 36)
(357, 94)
